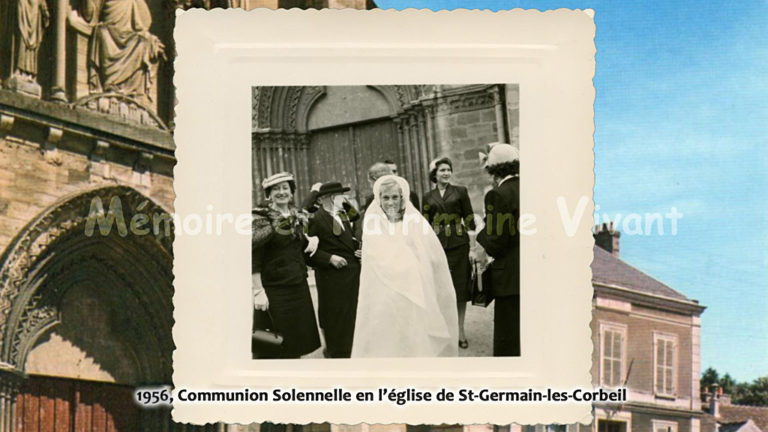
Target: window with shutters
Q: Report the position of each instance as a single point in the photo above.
(664, 426)
(613, 339)
(665, 359)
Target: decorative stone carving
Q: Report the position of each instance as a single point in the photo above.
(53, 138)
(122, 56)
(467, 101)
(123, 107)
(35, 319)
(99, 151)
(28, 252)
(32, 18)
(6, 123)
(143, 162)
(303, 100)
(122, 51)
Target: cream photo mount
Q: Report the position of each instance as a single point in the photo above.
(222, 54)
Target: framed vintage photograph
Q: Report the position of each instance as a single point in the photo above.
(376, 170)
(318, 152)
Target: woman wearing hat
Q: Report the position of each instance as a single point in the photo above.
(279, 270)
(501, 241)
(449, 211)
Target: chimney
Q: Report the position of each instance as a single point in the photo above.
(714, 405)
(607, 238)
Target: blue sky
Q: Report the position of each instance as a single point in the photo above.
(681, 117)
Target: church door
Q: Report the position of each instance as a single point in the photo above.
(47, 404)
(344, 153)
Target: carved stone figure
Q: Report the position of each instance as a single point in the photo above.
(32, 18)
(122, 50)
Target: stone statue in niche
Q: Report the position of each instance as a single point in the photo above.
(122, 51)
(32, 18)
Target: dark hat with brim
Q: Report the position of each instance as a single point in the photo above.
(331, 188)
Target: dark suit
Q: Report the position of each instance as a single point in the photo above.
(337, 289)
(501, 241)
(451, 216)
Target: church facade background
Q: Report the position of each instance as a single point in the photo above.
(86, 121)
(335, 133)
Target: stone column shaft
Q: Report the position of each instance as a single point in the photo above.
(10, 381)
(501, 125)
(58, 92)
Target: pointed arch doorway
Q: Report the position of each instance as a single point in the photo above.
(335, 133)
(84, 319)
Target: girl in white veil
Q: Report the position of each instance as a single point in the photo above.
(407, 304)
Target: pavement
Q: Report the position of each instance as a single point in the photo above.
(478, 327)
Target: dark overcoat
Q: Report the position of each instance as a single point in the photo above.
(500, 238)
(337, 289)
(277, 250)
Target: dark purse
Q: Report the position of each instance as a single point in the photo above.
(266, 342)
(481, 286)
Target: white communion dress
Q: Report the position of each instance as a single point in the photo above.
(407, 304)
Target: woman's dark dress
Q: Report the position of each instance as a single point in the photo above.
(451, 215)
(278, 254)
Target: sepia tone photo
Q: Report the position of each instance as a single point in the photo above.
(335, 164)
(374, 214)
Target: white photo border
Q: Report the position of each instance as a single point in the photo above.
(223, 53)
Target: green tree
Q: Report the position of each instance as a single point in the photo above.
(742, 393)
(727, 383)
(708, 378)
(754, 393)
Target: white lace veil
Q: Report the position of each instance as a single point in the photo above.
(403, 264)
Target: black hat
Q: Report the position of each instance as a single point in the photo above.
(331, 188)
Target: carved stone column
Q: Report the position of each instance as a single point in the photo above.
(418, 163)
(59, 83)
(407, 172)
(500, 122)
(425, 152)
(10, 381)
(400, 141)
(429, 113)
(303, 163)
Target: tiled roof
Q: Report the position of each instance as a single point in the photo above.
(610, 270)
(742, 413)
(731, 427)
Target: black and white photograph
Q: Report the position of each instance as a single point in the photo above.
(373, 186)
(385, 221)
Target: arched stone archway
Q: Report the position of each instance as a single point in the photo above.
(284, 135)
(92, 306)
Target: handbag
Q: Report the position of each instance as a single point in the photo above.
(481, 286)
(266, 342)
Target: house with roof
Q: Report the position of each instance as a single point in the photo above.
(720, 415)
(646, 338)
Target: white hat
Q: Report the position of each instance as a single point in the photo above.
(433, 164)
(500, 153)
(277, 178)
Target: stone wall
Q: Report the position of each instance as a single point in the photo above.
(32, 180)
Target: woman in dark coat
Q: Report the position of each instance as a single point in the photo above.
(449, 211)
(501, 241)
(279, 268)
